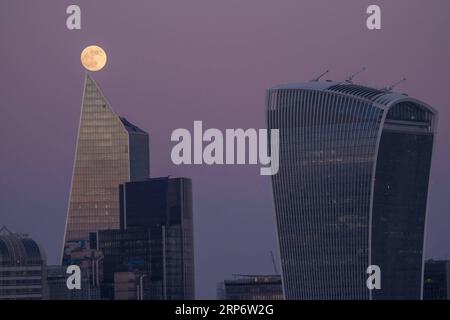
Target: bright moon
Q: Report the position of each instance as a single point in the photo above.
(93, 58)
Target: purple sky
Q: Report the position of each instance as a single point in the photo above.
(172, 62)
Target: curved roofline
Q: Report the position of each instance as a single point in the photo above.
(405, 98)
(384, 98)
(311, 85)
(21, 251)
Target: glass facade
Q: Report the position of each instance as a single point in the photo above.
(123, 251)
(110, 151)
(164, 206)
(400, 199)
(155, 239)
(436, 280)
(338, 141)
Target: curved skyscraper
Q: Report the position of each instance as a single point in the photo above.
(351, 190)
(110, 151)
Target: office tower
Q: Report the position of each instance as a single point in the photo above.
(124, 251)
(110, 150)
(351, 190)
(164, 206)
(22, 267)
(436, 285)
(251, 287)
(155, 240)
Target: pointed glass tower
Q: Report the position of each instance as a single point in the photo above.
(110, 151)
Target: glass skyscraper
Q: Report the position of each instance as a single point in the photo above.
(155, 241)
(110, 151)
(164, 206)
(351, 190)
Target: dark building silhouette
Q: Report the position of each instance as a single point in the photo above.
(125, 251)
(110, 150)
(164, 206)
(351, 190)
(251, 287)
(155, 241)
(436, 285)
(22, 267)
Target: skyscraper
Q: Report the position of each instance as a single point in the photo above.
(110, 151)
(155, 242)
(351, 190)
(164, 206)
(125, 251)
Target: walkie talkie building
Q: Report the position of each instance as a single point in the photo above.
(351, 190)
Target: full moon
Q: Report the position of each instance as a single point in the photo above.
(93, 58)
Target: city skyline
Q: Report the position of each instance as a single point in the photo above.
(337, 132)
(183, 71)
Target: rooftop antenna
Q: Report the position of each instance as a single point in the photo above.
(318, 78)
(394, 85)
(273, 262)
(350, 79)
